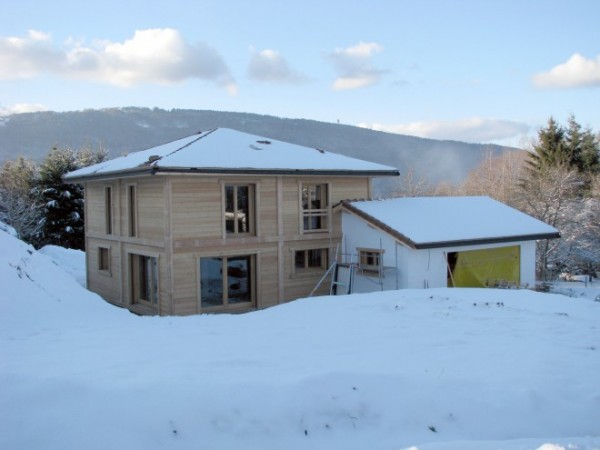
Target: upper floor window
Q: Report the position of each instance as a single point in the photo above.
(315, 207)
(239, 209)
(108, 209)
(132, 210)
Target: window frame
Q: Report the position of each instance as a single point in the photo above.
(306, 268)
(252, 208)
(365, 253)
(108, 210)
(225, 282)
(104, 260)
(324, 213)
(137, 262)
(132, 211)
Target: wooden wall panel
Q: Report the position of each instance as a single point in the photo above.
(185, 291)
(151, 204)
(104, 283)
(267, 278)
(196, 208)
(95, 220)
(267, 206)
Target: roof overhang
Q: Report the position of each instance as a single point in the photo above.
(347, 206)
(153, 170)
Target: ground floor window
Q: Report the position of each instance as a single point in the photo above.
(144, 276)
(103, 259)
(226, 281)
(490, 267)
(310, 259)
(370, 260)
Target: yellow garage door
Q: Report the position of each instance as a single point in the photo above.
(482, 268)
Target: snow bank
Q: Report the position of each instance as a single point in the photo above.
(71, 261)
(422, 369)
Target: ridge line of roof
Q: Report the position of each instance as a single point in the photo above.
(202, 134)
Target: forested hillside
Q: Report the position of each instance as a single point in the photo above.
(123, 130)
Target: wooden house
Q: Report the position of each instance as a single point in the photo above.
(217, 221)
(432, 242)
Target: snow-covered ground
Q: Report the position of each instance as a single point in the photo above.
(420, 369)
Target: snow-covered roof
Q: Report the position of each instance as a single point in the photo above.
(433, 222)
(224, 150)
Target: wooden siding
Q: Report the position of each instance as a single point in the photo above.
(180, 219)
(106, 282)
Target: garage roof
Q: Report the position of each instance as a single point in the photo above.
(434, 222)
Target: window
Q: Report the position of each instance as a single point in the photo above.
(310, 259)
(108, 209)
(132, 213)
(144, 271)
(104, 259)
(239, 209)
(314, 207)
(226, 281)
(371, 260)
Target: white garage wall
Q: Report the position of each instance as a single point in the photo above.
(413, 269)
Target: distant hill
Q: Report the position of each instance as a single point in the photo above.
(124, 130)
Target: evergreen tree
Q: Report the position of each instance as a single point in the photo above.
(550, 149)
(572, 146)
(590, 152)
(63, 204)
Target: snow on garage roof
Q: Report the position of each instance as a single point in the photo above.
(224, 150)
(433, 222)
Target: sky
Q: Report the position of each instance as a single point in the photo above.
(469, 70)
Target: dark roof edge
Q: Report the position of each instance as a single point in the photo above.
(497, 240)
(143, 170)
(234, 171)
(440, 244)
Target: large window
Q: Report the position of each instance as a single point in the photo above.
(239, 209)
(310, 259)
(108, 209)
(226, 281)
(144, 274)
(315, 210)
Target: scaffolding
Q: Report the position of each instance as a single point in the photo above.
(345, 268)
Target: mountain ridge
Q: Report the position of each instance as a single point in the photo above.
(128, 129)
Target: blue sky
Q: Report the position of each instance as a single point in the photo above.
(478, 71)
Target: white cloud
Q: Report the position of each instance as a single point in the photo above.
(269, 66)
(578, 71)
(354, 67)
(28, 57)
(157, 56)
(474, 129)
(20, 108)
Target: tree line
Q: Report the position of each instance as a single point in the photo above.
(556, 180)
(35, 202)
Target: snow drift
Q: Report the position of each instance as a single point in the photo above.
(420, 369)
